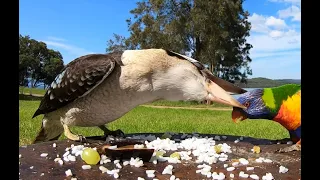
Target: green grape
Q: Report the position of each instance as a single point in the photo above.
(159, 153)
(175, 155)
(90, 156)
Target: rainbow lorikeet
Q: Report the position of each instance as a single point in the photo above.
(281, 104)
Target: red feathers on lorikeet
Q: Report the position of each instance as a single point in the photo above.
(281, 104)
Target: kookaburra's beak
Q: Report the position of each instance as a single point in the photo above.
(217, 94)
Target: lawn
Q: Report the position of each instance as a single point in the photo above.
(147, 119)
(33, 90)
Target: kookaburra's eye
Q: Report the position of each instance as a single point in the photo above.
(246, 104)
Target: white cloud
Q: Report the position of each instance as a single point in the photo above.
(293, 11)
(286, 65)
(276, 34)
(275, 22)
(258, 23)
(68, 51)
(292, 34)
(276, 42)
(55, 38)
(274, 61)
(69, 48)
(276, 58)
(292, 41)
(266, 43)
(267, 54)
(262, 24)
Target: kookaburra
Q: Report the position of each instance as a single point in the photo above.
(96, 89)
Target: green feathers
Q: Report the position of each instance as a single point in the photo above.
(273, 97)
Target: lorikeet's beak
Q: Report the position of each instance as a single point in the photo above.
(217, 94)
(238, 115)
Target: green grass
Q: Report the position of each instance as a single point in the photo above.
(146, 119)
(34, 90)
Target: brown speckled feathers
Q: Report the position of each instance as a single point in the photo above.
(77, 79)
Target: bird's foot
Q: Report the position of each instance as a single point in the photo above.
(113, 139)
(113, 135)
(72, 136)
(77, 137)
(116, 133)
(295, 147)
(82, 139)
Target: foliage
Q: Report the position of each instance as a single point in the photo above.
(37, 63)
(213, 32)
(116, 45)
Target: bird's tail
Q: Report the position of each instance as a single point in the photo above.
(49, 131)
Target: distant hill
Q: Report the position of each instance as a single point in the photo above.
(261, 82)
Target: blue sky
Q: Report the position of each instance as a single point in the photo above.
(76, 28)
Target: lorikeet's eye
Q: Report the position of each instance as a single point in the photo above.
(247, 104)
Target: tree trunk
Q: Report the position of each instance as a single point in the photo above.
(31, 82)
(211, 68)
(22, 88)
(31, 86)
(198, 48)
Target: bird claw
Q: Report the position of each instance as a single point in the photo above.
(113, 135)
(111, 139)
(118, 133)
(82, 139)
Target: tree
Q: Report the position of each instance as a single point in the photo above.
(37, 63)
(116, 45)
(29, 60)
(213, 32)
(52, 66)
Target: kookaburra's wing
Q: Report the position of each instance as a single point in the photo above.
(78, 79)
